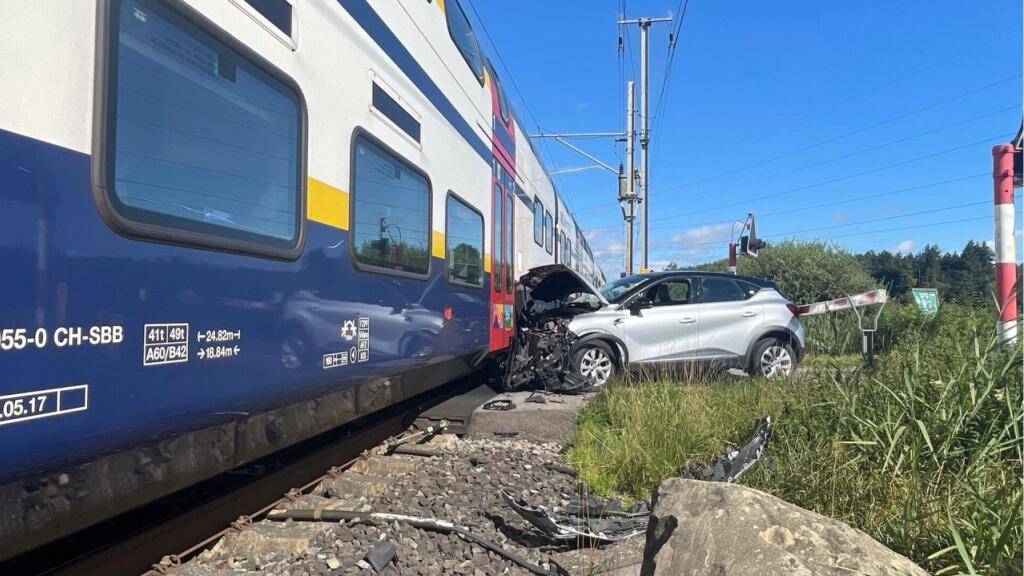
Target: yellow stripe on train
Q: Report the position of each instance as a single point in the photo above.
(437, 247)
(327, 204)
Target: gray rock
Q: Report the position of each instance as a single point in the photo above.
(716, 529)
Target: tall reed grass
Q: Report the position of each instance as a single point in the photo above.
(922, 452)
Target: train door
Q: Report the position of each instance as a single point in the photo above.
(502, 263)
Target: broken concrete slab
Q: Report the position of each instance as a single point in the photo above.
(552, 421)
(713, 528)
(620, 559)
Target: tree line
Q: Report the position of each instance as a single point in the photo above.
(809, 271)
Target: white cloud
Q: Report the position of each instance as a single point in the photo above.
(606, 244)
(582, 105)
(693, 246)
(905, 247)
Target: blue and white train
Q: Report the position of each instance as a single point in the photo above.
(229, 225)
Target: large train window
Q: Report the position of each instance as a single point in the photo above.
(538, 221)
(390, 211)
(549, 232)
(464, 237)
(464, 38)
(203, 141)
(497, 237)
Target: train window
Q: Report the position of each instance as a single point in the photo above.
(203, 141)
(277, 12)
(464, 237)
(497, 248)
(549, 232)
(503, 106)
(392, 110)
(538, 221)
(464, 38)
(390, 211)
(509, 261)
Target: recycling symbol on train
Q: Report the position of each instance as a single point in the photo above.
(348, 330)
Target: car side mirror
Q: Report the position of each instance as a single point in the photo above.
(639, 304)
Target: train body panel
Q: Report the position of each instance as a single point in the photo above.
(221, 237)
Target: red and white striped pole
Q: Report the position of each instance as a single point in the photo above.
(1006, 244)
(732, 257)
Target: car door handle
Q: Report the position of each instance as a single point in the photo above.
(749, 314)
(687, 320)
(618, 321)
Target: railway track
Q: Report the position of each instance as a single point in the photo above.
(161, 534)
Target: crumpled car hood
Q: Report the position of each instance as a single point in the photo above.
(553, 282)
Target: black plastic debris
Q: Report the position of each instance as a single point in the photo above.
(730, 465)
(381, 554)
(562, 468)
(585, 525)
(536, 398)
(590, 505)
(433, 524)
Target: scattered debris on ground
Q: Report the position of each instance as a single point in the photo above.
(441, 510)
(728, 466)
(490, 503)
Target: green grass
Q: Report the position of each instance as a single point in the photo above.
(923, 452)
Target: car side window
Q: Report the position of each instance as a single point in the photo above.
(715, 289)
(670, 293)
(748, 289)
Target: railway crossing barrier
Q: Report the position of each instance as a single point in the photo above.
(857, 303)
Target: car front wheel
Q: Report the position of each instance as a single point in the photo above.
(595, 361)
(773, 358)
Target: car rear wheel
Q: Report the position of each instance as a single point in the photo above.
(595, 361)
(773, 358)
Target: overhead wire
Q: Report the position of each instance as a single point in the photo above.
(879, 86)
(748, 165)
(522, 98)
(761, 197)
(678, 246)
(874, 88)
(854, 153)
(834, 202)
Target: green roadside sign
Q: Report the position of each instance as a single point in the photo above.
(927, 300)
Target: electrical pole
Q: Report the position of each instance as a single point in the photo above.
(629, 194)
(645, 134)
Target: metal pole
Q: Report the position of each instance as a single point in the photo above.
(631, 177)
(1006, 244)
(732, 257)
(645, 26)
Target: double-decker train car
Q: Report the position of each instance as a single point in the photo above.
(229, 225)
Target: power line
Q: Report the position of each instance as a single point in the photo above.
(747, 201)
(603, 208)
(858, 233)
(854, 153)
(747, 166)
(836, 202)
(885, 84)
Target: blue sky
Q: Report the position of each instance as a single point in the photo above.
(775, 107)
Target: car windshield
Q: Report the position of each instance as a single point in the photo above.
(616, 289)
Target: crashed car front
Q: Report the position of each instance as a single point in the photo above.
(547, 299)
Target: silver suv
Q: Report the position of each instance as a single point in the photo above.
(685, 317)
(667, 318)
